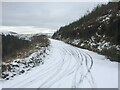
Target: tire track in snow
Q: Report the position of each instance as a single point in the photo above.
(49, 83)
(50, 70)
(72, 54)
(82, 77)
(90, 60)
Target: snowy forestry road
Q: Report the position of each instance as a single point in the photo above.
(68, 67)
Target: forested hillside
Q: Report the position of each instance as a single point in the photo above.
(98, 31)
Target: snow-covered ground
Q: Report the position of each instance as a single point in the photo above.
(68, 67)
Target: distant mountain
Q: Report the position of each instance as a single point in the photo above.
(12, 32)
(7, 32)
(47, 34)
(98, 31)
(25, 36)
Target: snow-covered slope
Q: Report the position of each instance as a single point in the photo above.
(68, 67)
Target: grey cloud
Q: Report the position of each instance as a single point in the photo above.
(48, 14)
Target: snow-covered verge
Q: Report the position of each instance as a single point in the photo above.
(19, 66)
(91, 43)
(102, 46)
(68, 67)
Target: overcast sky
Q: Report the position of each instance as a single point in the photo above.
(47, 15)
